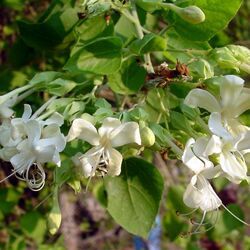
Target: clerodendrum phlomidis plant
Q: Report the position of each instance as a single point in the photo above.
(140, 78)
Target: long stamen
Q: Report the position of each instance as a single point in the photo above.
(235, 216)
(35, 184)
(14, 173)
(93, 171)
(201, 222)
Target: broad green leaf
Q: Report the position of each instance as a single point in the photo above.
(218, 14)
(148, 43)
(34, 225)
(180, 122)
(92, 28)
(134, 196)
(101, 56)
(129, 79)
(51, 32)
(45, 77)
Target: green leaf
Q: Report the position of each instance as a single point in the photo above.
(134, 196)
(218, 14)
(148, 43)
(34, 225)
(60, 86)
(45, 77)
(101, 56)
(177, 42)
(51, 32)
(129, 79)
(92, 28)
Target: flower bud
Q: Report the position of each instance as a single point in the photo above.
(130, 152)
(191, 14)
(147, 137)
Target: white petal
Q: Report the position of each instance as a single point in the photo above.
(216, 126)
(59, 142)
(195, 162)
(200, 194)
(230, 90)
(82, 129)
(5, 111)
(56, 159)
(22, 161)
(192, 196)
(89, 161)
(108, 125)
(213, 172)
(33, 130)
(235, 170)
(214, 146)
(27, 112)
(242, 103)
(126, 133)
(56, 118)
(7, 153)
(243, 144)
(203, 99)
(45, 154)
(115, 162)
(235, 127)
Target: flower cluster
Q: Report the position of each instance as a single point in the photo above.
(29, 142)
(222, 152)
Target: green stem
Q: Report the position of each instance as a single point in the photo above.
(140, 35)
(43, 107)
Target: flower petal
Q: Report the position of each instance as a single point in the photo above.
(115, 162)
(216, 126)
(242, 103)
(203, 99)
(84, 130)
(27, 112)
(89, 161)
(243, 144)
(56, 118)
(236, 170)
(230, 90)
(195, 162)
(200, 194)
(22, 161)
(108, 125)
(124, 134)
(33, 130)
(45, 154)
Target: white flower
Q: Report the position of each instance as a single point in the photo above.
(42, 145)
(230, 150)
(199, 193)
(103, 158)
(234, 100)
